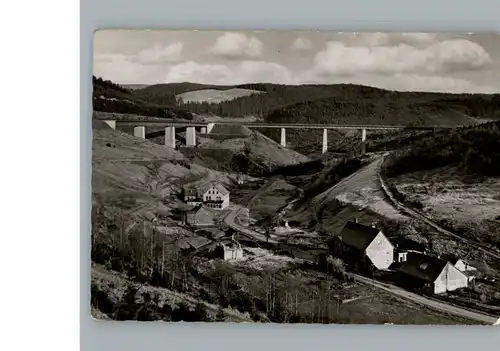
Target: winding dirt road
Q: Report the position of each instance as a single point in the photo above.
(230, 218)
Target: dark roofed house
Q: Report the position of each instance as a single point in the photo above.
(199, 216)
(362, 247)
(429, 273)
(191, 196)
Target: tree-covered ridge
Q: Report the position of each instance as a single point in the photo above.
(288, 97)
(474, 150)
(111, 97)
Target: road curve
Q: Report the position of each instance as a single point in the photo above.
(230, 218)
(436, 305)
(427, 220)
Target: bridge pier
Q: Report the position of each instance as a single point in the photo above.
(140, 132)
(190, 136)
(170, 137)
(325, 141)
(363, 141)
(283, 137)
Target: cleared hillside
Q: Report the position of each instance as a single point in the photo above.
(214, 96)
(253, 153)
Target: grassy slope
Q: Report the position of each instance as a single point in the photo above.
(214, 95)
(249, 152)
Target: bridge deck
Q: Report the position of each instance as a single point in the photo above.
(170, 123)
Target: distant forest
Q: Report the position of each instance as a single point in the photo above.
(339, 103)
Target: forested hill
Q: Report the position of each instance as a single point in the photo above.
(339, 103)
(371, 111)
(111, 97)
(475, 150)
(320, 102)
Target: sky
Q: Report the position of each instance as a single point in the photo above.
(436, 62)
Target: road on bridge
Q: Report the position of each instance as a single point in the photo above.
(187, 123)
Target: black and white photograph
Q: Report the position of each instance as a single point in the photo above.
(313, 177)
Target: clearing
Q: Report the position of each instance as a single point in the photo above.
(213, 96)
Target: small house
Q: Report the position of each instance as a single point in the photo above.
(191, 196)
(362, 246)
(429, 274)
(462, 266)
(231, 251)
(215, 196)
(199, 216)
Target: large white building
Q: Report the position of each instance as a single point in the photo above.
(216, 196)
(212, 195)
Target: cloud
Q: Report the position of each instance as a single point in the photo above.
(301, 44)
(193, 72)
(244, 72)
(160, 54)
(120, 69)
(237, 45)
(389, 39)
(402, 82)
(443, 57)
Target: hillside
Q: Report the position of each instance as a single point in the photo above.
(340, 103)
(110, 97)
(213, 95)
(280, 96)
(238, 149)
(475, 150)
(453, 178)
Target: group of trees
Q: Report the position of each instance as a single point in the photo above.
(138, 250)
(147, 307)
(474, 150)
(112, 97)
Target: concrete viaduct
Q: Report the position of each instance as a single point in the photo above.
(206, 127)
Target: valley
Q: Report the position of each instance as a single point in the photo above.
(285, 204)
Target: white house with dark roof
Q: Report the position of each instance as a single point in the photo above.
(429, 273)
(215, 196)
(363, 246)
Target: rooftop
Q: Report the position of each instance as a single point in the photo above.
(358, 235)
(421, 266)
